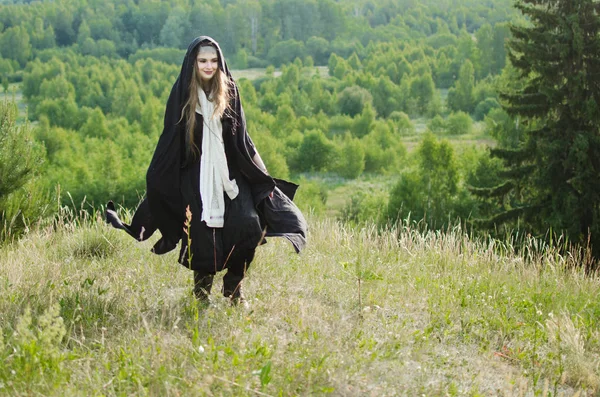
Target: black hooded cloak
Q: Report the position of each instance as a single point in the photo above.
(264, 203)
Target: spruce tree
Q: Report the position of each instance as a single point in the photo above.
(22, 201)
(552, 179)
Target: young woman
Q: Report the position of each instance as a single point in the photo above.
(206, 166)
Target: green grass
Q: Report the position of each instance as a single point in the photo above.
(85, 310)
(477, 138)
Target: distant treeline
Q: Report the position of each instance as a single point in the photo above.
(255, 33)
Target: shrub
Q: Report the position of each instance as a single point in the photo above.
(352, 100)
(286, 52)
(365, 207)
(316, 153)
(351, 162)
(459, 123)
(311, 197)
(484, 107)
(437, 125)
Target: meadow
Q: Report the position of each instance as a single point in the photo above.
(85, 310)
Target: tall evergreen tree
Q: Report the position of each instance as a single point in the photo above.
(552, 179)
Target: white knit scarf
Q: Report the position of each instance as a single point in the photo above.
(214, 172)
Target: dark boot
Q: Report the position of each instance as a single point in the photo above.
(232, 280)
(202, 286)
(232, 289)
(232, 286)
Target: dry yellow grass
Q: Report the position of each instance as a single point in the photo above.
(360, 312)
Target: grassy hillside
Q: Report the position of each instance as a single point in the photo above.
(84, 310)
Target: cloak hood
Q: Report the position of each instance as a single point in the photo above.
(187, 67)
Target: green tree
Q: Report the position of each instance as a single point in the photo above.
(422, 91)
(318, 48)
(384, 150)
(352, 100)
(460, 98)
(95, 125)
(174, 29)
(363, 123)
(459, 123)
(485, 37)
(286, 51)
(351, 162)
(354, 62)
(149, 19)
(21, 201)
(332, 19)
(316, 153)
(552, 176)
(285, 120)
(402, 124)
(272, 152)
(501, 35)
(484, 107)
(428, 192)
(386, 97)
(332, 63)
(83, 33)
(42, 37)
(15, 44)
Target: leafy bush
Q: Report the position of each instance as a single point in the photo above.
(437, 125)
(366, 207)
(351, 162)
(272, 152)
(459, 123)
(286, 51)
(384, 150)
(316, 153)
(311, 196)
(432, 191)
(402, 123)
(484, 107)
(352, 100)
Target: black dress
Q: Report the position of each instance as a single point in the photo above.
(215, 249)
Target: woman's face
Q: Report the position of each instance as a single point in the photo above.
(207, 62)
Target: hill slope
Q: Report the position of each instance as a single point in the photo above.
(433, 314)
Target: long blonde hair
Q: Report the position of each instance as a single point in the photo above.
(218, 88)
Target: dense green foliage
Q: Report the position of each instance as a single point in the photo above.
(99, 115)
(96, 76)
(552, 174)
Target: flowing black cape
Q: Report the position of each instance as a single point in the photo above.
(163, 207)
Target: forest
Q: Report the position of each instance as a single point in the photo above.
(431, 104)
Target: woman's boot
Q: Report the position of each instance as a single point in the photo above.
(202, 286)
(232, 281)
(232, 288)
